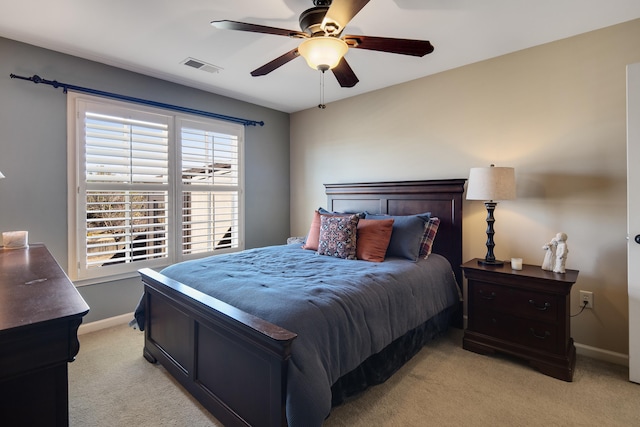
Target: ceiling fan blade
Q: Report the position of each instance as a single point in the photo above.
(391, 45)
(254, 28)
(340, 13)
(344, 74)
(278, 62)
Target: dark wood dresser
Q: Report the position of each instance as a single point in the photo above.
(40, 312)
(524, 313)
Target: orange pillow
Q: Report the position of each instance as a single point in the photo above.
(373, 239)
(313, 238)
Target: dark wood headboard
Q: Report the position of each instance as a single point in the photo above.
(443, 198)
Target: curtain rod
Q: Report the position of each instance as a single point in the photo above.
(65, 87)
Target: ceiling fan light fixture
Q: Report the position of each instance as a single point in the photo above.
(323, 53)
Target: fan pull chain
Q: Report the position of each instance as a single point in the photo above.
(321, 105)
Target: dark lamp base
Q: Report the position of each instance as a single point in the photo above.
(496, 263)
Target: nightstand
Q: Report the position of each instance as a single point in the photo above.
(524, 313)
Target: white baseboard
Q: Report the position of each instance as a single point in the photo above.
(122, 319)
(581, 349)
(600, 354)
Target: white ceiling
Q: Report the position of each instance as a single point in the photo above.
(154, 37)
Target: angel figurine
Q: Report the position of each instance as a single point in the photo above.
(561, 253)
(550, 254)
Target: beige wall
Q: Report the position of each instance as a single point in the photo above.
(555, 112)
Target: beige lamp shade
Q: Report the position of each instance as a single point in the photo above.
(492, 183)
(323, 53)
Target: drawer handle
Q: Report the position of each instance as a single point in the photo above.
(542, 337)
(492, 295)
(545, 307)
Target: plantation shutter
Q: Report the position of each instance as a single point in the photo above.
(210, 187)
(149, 188)
(126, 185)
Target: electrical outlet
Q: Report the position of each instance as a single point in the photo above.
(586, 297)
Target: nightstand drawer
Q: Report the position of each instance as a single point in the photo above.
(521, 303)
(536, 335)
(495, 324)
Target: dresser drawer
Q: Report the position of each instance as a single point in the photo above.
(521, 303)
(35, 347)
(530, 333)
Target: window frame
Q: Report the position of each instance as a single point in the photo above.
(77, 189)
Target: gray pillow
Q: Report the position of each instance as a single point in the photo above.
(323, 211)
(406, 235)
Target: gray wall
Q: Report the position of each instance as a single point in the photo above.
(33, 150)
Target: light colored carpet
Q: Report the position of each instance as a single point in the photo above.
(111, 384)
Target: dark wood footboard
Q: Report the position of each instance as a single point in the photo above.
(234, 363)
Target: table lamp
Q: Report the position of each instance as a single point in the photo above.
(491, 184)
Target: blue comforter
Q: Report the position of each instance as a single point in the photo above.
(343, 311)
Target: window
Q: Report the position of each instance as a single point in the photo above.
(149, 187)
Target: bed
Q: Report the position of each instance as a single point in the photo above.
(248, 366)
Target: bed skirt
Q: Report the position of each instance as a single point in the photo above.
(380, 366)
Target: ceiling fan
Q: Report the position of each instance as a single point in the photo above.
(323, 45)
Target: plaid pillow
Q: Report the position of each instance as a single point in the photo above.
(426, 245)
(338, 236)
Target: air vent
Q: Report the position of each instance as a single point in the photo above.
(201, 65)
